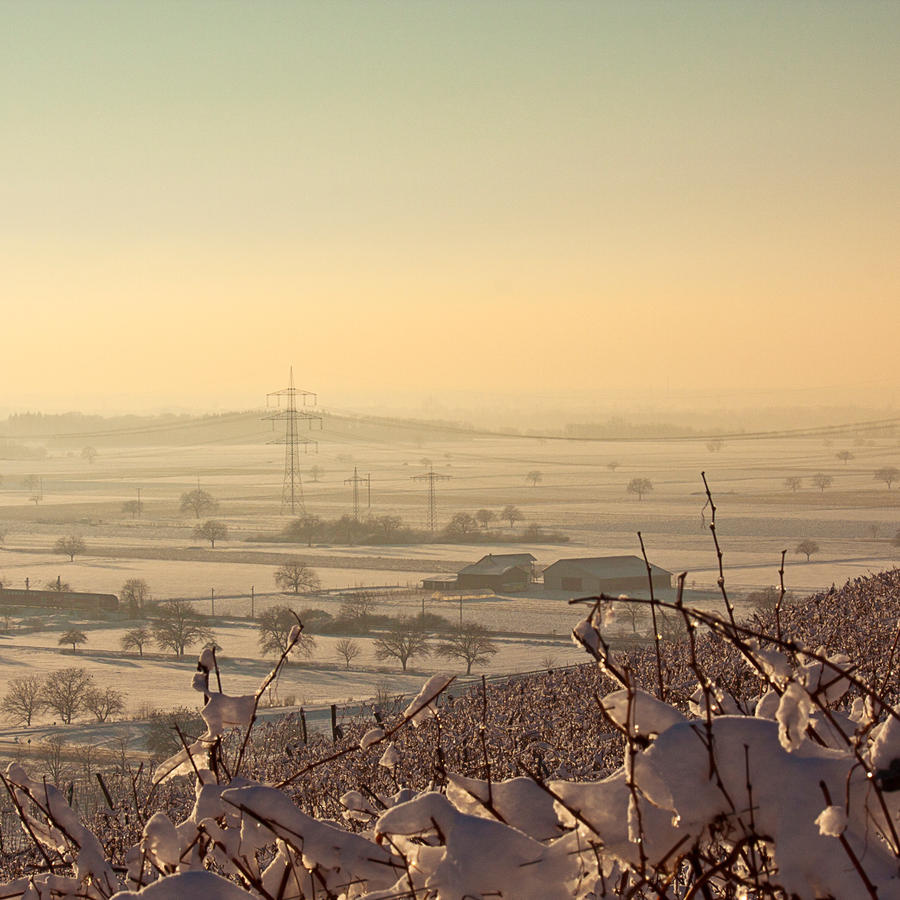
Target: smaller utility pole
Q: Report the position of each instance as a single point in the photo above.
(212, 601)
(252, 603)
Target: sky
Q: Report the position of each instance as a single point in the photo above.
(423, 199)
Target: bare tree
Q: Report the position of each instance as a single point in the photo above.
(163, 734)
(275, 625)
(34, 484)
(65, 692)
(23, 699)
(358, 608)
(178, 626)
(316, 472)
(844, 456)
(485, 517)
(305, 528)
(198, 502)
(388, 524)
(633, 611)
(822, 481)
(104, 702)
(135, 592)
(511, 514)
(88, 755)
(212, 530)
(295, 576)
(404, 639)
(71, 546)
(793, 482)
(134, 507)
(639, 486)
(888, 474)
(807, 547)
(469, 642)
(59, 585)
(613, 464)
(767, 599)
(534, 477)
(54, 757)
(136, 639)
(74, 637)
(348, 649)
(461, 524)
(90, 454)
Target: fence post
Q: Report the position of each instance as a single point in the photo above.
(333, 723)
(303, 724)
(109, 800)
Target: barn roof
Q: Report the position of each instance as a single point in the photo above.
(608, 566)
(498, 563)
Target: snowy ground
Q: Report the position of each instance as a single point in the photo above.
(580, 495)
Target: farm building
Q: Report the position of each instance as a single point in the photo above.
(58, 599)
(498, 572)
(604, 574)
(439, 583)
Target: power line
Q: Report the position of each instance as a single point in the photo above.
(812, 431)
(202, 422)
(292, 487)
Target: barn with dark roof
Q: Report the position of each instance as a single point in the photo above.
(604, 574)
(499, 572)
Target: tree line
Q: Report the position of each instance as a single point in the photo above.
(387, 529)
(66, 692)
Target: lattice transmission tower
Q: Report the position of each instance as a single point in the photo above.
(356, 481)
(431, 477)
(293, 417)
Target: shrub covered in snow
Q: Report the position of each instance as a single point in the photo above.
(751, 760)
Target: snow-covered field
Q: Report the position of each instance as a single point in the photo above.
(579, 494)
(159, 681)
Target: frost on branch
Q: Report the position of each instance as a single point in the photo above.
(792, 716)
(639, 713)
(472, 856)
(519, 802)
(422, 706)
(371, 737)
(58, 828)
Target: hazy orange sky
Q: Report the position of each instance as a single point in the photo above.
(408, 197)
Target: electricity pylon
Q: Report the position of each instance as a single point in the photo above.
(431, 477)
(356, 481)
(292, 489)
